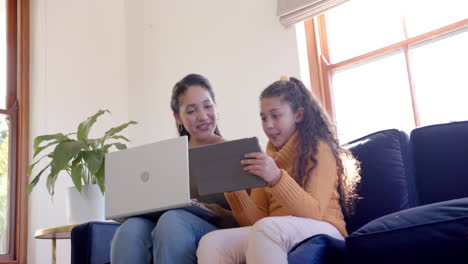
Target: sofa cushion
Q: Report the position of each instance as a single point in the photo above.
(385, 185)
(319, 249)
(440, 154)
(91, 242)
(432, 232)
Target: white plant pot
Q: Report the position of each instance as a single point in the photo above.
(85, 206)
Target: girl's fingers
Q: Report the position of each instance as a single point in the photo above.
(255, 171)
(255, 155)
(251, 167)
(251, 161)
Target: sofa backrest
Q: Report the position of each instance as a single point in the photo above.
(386, 184)
(440, 161)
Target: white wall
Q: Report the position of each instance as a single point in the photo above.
(126, 55)
(77, 67)
(239, 45)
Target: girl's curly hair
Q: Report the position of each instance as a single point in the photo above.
(317, 126)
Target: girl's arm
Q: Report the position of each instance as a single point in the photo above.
(313, 201)
(248, 210)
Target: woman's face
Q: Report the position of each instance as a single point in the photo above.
(197, 113)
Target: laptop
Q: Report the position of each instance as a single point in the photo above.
(151, 179)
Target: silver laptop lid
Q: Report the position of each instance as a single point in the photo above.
(147, 178)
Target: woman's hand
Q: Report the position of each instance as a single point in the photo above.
(262, 165)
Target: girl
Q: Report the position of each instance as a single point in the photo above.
(308, 184)
(173, 238)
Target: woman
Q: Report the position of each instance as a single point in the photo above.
(174, 237)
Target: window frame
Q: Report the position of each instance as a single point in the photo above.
(320, 68)
(17, 107)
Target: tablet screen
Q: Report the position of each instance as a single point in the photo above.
(217, 167)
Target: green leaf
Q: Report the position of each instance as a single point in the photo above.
(38, 140)
(85, 126)
(121, 137)
(93, 160)
(31, 167)
(51, 178)
(39, 149)
(36, 179)
(93, 143)
(119, 146)
(100, 176)
(105, 148)
(111, 132)
(77, 175)
(65, 151)
(33, 184)
(77, 159)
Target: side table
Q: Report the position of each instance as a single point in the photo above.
(54, 233)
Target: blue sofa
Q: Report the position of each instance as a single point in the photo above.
(414, 205)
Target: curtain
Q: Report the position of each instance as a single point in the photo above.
(293, 11)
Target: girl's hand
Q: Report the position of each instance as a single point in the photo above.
(262, 165)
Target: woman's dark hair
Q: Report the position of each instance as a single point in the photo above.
(314, 126)
(181, 87)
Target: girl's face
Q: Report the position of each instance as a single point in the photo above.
(278, 120)
(197, 113)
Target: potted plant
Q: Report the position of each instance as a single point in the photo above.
(82, 158)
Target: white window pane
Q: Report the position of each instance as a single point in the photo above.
(371, 97)
(4, 147)
(358, 27)
(427, 15)
(440, 75)
(2, 55)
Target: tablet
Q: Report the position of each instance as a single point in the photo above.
(217, 168)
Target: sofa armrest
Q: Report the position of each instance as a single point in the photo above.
(91, 242)
(318, 249)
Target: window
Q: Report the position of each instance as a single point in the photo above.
(391, 63)
(14, 118)
(4, 201)
(4, 139)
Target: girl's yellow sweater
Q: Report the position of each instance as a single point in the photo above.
(319, 200)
